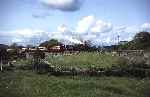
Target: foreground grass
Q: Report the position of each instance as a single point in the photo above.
(83, 60)
(29, 84)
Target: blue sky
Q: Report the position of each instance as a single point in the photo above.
(70, 21)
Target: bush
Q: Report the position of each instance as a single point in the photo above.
(137, 61)
(121, 62)
(131, 62)
(134, 66)
(40, 67)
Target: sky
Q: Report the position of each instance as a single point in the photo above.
(72, 21)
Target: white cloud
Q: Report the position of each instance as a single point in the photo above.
(62, 28)
(101, 26)
(89, 37)
(14, 40)
(63, 33)
(26, 33)
(88, 28)
(25, 36)
(89, 24)
(85, 24)
(146, 27)
(63, 5)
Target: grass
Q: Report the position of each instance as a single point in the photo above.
(83, 60)
(28, 84)
(25, 83)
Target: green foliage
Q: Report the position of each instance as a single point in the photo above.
(124, 46)
(145, 90)
(132, 62)
(3, 54)
(29, 84)
(122, 62)
(50, 43)
(140, 41)
(39, 66)
(14, 46)
(142, 37)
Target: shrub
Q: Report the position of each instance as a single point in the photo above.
(137, 61)
(121, 62)
(40, 67)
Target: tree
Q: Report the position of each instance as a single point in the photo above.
(142, 40)
(50, 43)
(14, 45)
(142, 37)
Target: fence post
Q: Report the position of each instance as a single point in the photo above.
(1, 64)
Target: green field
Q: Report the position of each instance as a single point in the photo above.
(26, 83)
(83, 60)
(29, 84)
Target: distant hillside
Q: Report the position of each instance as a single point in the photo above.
(3, 46)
